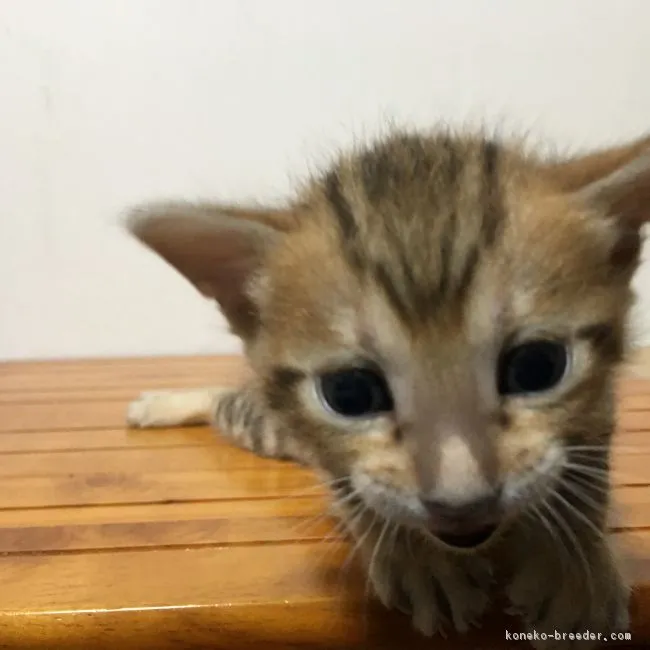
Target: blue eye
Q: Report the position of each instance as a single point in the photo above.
(355, 392)
(532, 367)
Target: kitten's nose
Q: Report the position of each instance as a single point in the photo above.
(447, 513)
(465, 524)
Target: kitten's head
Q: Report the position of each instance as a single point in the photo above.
(437, 318)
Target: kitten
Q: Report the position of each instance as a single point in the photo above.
(435, 324)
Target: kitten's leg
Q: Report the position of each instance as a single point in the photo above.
(174, 408)
(572, 592)
(239, 414)
(410, 573)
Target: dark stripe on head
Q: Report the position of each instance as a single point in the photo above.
(341, 208)
(377, 173)
(447, 246)
(452, 163)
(449, 168)
(493, 211)
(280, 387)
(469, 271)
(401, 303)
(382, 168)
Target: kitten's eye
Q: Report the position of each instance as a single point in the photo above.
(532, 367)
(355, 392)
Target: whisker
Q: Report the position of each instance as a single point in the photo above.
(605, 476)
(305, 525)
(359, 540)
(342, 525)
(393, 538)
(572, 509)
(338, 502)
(373, 559)
(599, 474)
(409, 542)
(321, 487)
(585, 481)
(574, 540)
(588, 456)
(610, 445)
(545, 522)
(340, 529)
(580, 493)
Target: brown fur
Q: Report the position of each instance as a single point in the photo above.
(427, 255)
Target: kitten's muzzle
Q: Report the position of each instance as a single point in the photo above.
(465, 525)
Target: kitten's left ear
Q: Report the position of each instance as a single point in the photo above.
(219, 249)
(616, 183)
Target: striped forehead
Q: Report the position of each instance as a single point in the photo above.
(414, 215)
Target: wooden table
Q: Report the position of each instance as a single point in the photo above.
(173, 539)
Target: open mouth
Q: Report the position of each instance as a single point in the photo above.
(468, 540)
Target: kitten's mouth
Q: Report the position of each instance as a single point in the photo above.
(468, 540)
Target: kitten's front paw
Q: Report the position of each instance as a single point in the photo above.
(568, 626)
(438, 591)
(171, 408)
(148, 410)
(558, 615)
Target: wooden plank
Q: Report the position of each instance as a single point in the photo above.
(635, 402)
(107, 488)
(86, 414)
(307, 506)
(183, 533)
(634, 421)
(631, 508)
(313, 625)
(65, 440)
(218, 523)
(169, 578)
(156, 460)
(302, 576)
(143, 375)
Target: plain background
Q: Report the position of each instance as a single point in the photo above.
(109, 102)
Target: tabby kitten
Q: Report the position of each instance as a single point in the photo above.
(435, 325)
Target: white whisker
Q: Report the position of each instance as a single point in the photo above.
(574, 540)
(585, 481)
(580, 494)
(360, 539)
(545, 522)
(572, 509)
(601, 475)
(373, 559)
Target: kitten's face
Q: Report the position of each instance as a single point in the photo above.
(437, 320)
(451, 355)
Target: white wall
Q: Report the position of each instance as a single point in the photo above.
(108, 102)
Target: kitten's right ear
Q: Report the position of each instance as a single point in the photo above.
(615, 179)
(218, 249)
(615, 182)
(576, 173)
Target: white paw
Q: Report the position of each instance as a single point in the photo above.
(151, 409)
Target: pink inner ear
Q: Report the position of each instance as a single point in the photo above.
(217, 255)
(226, 278)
